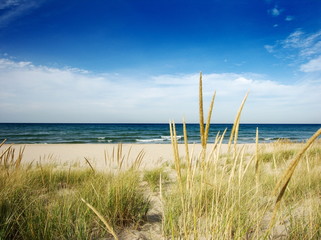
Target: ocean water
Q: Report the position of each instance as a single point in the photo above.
(145, 133)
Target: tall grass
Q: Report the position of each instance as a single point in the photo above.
(231, 196)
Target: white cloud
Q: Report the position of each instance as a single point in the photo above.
(312, 66)
(32, 93)
(8, 64)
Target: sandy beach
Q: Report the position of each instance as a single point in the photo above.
(104, 156)
(100, 155)
(72, 159)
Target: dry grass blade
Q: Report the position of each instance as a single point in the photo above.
(186, 142)
(204, 131)
(235, 128)
(19, 159)
(187, 156)
(257, 153)
(234, 166)
(109, 228)
(247, 166)
(174, 140)
(90, 165)
(120, 158)
(3, 142)
(179, 175)
(175, 149)
(128, 154)
(288, 173)
(8, 149)
(285, 179)
(201, 112)
(208, 122)
(138, 161)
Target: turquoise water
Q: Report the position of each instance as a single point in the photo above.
(144, 133)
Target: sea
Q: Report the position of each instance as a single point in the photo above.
(110, 133)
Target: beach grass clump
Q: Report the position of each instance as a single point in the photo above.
(214, 204)
(305, 220)
(154, 177)
(44, 202)
(278, 156)
(125, 202)
(212, 208)
(237, 195)
(31, 210)
(314, 152)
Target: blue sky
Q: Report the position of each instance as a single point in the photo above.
(139, 60)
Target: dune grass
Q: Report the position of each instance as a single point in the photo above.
(153, 176)
(44, 202)
(270, 193)
(242, 196)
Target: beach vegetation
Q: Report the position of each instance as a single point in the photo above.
(277, 155)
(43, 202)
(240, 196)
(155, 177)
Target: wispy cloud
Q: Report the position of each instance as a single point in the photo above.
(32, 93)
(306, 44)
(13, 9)
(299, 48)
(313, 65)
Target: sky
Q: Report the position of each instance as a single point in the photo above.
(138, 61)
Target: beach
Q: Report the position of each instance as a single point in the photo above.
(105, 155)
(64, 174)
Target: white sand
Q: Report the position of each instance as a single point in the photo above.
(68, 154)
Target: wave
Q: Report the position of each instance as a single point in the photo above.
(273, 139)
(150, 140)
(264, 138)
(168, 138)
(162, 139)
(103, 139)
